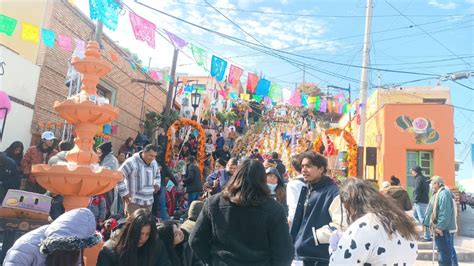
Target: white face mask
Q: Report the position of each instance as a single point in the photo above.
(272, 187)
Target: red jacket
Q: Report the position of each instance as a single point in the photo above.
(34, 156)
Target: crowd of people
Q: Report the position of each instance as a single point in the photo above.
(244, 211)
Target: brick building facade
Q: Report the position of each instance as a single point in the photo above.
(64, 18)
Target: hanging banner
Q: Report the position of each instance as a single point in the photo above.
(257, 98)
(275, 92)
(317, 103)
(7, 25)
(329, 105)
(234, 75)
(218, 67)
(311, 99)
(252, 81)
(263, 87)
(304, 100)
(286, 95)
(106, 11)
(64, 42)
(234, 95)
(245, 96)
(143, 29)
(177, 42)
(48, 37)
(29, 33)
(200, 56)
(323, 106)
(133, 66)
(155, 75)
(295, 99)
(80, 46)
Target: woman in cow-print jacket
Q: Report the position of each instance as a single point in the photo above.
(380, 233)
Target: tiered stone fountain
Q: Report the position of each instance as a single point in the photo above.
(82, 177)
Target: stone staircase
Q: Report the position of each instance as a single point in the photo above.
(464, 247)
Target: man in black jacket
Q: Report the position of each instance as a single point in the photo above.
(192, 180)
(279, 164)
(421, 198)
(9, 175)
(314, 218)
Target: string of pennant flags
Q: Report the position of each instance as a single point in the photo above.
(257, 89)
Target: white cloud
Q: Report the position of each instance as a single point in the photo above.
(445, 6)
(283, 2)
(470, 2)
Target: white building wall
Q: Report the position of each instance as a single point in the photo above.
(20, 82)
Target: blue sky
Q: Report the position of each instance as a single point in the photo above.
(423, 36)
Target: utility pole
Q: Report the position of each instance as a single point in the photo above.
(169, 95)
(142, 113)
(364, 77)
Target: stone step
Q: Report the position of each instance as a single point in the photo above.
(462, 254)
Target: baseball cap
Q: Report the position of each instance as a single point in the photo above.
(48, 135)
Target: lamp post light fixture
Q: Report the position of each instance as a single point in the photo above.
(195, 100)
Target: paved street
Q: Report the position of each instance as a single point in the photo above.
(467, 222)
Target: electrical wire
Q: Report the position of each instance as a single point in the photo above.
(276, 50)
(311, 15)
(465, 86)
(425, 32)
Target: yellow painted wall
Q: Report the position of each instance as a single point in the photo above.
(30, 11)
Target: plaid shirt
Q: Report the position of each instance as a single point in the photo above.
(139, 180)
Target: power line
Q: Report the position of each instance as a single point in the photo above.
(465, 86)
(425, 32)
(279, 51)
(311, 15)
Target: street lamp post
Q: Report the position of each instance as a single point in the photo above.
(176, 88)
(195, 100)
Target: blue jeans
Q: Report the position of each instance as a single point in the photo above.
(419, 212)
(454, 257)
(192, 196)
(443, 244)
(162, 205)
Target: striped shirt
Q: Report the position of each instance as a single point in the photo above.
(138, 180)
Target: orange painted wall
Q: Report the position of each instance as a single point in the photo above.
(395, 142)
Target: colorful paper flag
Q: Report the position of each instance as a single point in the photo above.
(245, 96)
(234, 95)
(317, 103)
(295, 99)
(252, 81)
(329, 105)
(304, 100)
(144, 69)
(106, 11)
(311, 99)
(30, 32)
(7, 25)
(64, 42)
(133, 66)
(80, 46)
(167, 78)
(263, 87)
(177, 42)
(143, 29)
(275, 92)
(218, 67)
(154, 75)
(286, 95)
(323, 107)
(200, 56)
(234, 75)
(257, 98)
(48, 36)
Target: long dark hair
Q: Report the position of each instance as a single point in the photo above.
(127, 239)
(63, 257)
(127, 142)
(248, 187)
(166, 234)
(9, 151)
(359, 197)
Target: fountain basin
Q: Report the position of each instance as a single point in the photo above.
(86, 112)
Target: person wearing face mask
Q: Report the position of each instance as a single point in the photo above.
(134, 243)
(176, 243)
(277, 186)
